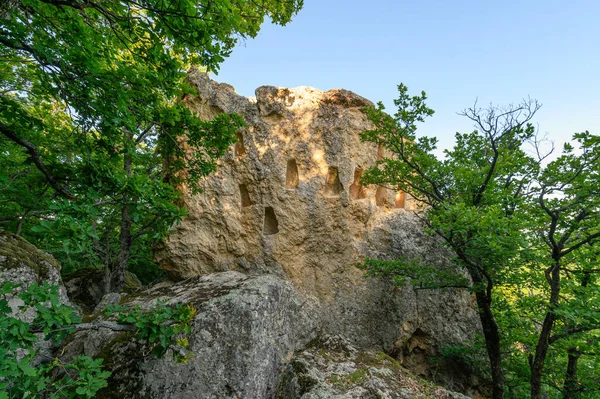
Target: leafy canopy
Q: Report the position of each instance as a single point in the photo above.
(93, 137)
(525, 230)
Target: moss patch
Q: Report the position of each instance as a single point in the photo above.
(378, 359)
(16, 252)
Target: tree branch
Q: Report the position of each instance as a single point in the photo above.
(36, 158)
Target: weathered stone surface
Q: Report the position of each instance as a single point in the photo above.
(246, 329)
(295, 163)
(331, 368)
(287, 201)
(22, 263)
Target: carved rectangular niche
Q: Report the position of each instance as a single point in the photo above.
(239, 148)
(357, 190)
(271, 226)
(246, 201)
(400, 200)
(380, 151)
(382, 197)
(291, 174)
(333, 185)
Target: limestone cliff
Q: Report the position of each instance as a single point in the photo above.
(267, 256)
(287, 201)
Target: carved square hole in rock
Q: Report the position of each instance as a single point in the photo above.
(333, 185)
(400, 199)
(381, 196)
(380, 152)
(246, 201)
(291, 174)
(239, 148)
(271, 225)
(357, 190)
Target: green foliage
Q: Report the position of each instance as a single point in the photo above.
(93, 134)
(410, 271)
(25, 374)
(527, 235)
(470, 358)
(162, 330)
(19, 377)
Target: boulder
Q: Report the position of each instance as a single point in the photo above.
(331, 368)
(22, 263)
(246, 330)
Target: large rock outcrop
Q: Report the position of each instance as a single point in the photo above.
(246, 330)
(287, 201)
(268, 256)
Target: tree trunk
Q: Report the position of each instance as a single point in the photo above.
(571, 386)
(492, 343)
(541, 349)
(118, 274)
(106, 277)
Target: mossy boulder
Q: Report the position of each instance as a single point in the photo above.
(17, 253)
(22, 263)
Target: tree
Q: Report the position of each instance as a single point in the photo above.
(526, 234)
(567, 209)
(89, 103)
(471, 196)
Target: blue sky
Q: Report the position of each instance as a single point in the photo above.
(457, 51)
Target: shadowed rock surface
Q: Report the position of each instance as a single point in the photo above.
(85, 286)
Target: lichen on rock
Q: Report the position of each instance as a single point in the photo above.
(331, 368)
(245, 331)
(23, 264)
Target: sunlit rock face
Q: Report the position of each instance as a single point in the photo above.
(287, 200)
(287, 197)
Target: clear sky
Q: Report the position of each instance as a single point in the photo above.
(457, 51)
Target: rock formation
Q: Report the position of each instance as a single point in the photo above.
(268, 256)
(287, 201)
(23, 264)
(332, 368)
(245, 331)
